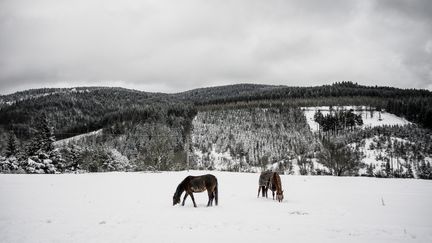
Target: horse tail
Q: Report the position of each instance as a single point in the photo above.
(216, 193)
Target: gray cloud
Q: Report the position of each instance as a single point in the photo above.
(171, 46)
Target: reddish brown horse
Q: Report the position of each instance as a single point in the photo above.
(270, 180)
(193, 184)
(276, 185)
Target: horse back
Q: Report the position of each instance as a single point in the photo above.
(210, 181)
(264, 178)
(201, 183)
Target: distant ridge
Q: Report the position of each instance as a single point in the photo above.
(84, 109)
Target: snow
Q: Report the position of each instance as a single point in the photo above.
(76, 138)
(220, 161)
(368, 119)
(370, 155)
(137, 207)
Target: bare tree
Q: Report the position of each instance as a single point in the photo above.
(340, 158)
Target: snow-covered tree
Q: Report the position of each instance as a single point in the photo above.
(116, 162)
(12, 147)
(425, 170)
(10, 165)
(251, 137)
(339, 158)
(42, 156)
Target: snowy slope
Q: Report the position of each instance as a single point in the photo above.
(371, 156)
(77, 138)
(251, 138)
(370, 119)
(137, 207)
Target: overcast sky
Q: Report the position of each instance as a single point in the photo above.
(171, 46)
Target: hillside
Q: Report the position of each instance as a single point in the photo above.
(251, 92)
(413, 104)
(76, 110)
(137, 207)
(87, 106)
(242, 127)
(370, 116)
(246, 138)
(288, 141)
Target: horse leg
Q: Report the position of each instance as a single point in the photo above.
(184, 198)
(273, 194)
(210, 196)
(259, 189)
(213, 194)
(193, 199)
(216, 194)
(265, 191)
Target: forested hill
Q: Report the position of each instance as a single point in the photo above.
(228, 127)
(77, 110)
(413, 104)
(253, 92)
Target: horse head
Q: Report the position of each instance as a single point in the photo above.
(177, 193)
(176, 199)
(279, 196)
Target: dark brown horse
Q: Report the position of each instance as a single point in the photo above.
(264, 182)
(193, 184)
(276, 185)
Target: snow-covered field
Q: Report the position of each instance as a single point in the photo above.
(370, 119)
(137, 207)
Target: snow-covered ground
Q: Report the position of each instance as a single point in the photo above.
(65, 141)
(371, 155)
(370, 119)
(137, 207)
(220, 161)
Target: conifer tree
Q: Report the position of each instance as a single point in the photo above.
(43, 157)
(388, 170)
(369, 170)
(46, 134)
(12, 148)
